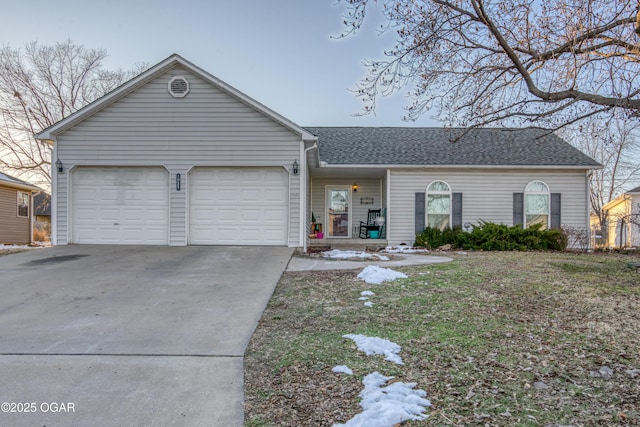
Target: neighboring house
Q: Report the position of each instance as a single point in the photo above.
(634, 194)
(16, 212)
(42, 208)
(621, 228)
(178, 157)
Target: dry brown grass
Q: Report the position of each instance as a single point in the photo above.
(496, 339)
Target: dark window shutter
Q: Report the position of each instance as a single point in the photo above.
(556, 208)
(420, 214)
(518, 208)
(456, 210)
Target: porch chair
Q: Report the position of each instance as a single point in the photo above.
(370, 225)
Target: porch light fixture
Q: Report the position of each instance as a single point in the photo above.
(295, 167)
(354, 187)
(59, 166)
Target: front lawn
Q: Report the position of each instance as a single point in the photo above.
(495, 339)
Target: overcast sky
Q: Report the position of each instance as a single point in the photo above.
(279, 52)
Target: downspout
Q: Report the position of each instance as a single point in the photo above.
(303, 195)
(388, 222)
(588, 203)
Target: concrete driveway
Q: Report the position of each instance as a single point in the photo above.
(130, 335)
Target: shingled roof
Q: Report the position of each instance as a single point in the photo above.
(406, 146)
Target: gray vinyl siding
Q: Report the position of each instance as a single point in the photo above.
(294, 209)
(486, 195)
(148, 127)
(370, 187)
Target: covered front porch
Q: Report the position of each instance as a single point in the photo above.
(340, 202)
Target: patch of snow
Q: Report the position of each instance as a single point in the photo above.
(375, 275)
(367, 293)
(375, 345)
(8, 247)
(342, 369)
(368, 304)
(338, 254)
(405, 250)
(390, 405)
(363, 298)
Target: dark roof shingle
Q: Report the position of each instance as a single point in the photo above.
(445, 147)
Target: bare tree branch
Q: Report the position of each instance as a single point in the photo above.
(496, 54)
(39, 86)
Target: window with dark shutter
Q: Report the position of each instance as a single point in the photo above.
(518, 206)
(556, 209)
(456, 210)
(420, 213)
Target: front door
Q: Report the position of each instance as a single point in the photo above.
(337, 202)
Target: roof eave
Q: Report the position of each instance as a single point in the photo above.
(17, 185)
(454, 166)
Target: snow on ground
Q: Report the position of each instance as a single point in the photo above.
(375, 345)
(365, 297)
(390, 405)
(9, 247)
(338, 254)
(342, 369)
(405, 250)
(375, 275)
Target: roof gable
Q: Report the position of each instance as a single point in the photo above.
(634, 191)
(440, 147)
(149, 75)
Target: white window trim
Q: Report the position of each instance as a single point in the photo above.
(19, 199)
(426, 201)
(536, 193)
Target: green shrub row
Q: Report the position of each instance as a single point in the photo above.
(494, 237)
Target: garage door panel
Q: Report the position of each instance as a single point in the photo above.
(242, 206)
(120, 205)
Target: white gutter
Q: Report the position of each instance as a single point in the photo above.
(303, 193)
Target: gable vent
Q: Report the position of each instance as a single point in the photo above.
(178, 87)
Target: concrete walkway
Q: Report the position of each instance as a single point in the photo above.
(305, 263)
(130, 335)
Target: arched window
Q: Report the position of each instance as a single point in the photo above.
(438, 205)
(536, 204)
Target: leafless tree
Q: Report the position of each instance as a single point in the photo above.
(39, 86)
(481, 62)
(614, 143)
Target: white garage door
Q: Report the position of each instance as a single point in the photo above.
(120, 206)
(238, 206)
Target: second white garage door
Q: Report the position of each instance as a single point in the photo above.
(238, 206)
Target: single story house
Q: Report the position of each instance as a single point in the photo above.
(178, 157)
(16, 212)
(621, 228)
